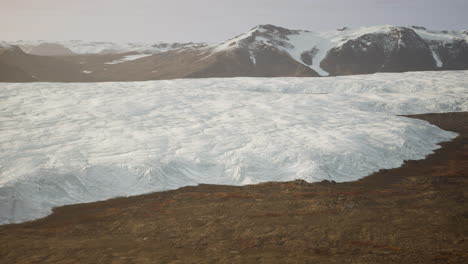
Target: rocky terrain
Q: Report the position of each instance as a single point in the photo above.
(264, 51)
(413, 214)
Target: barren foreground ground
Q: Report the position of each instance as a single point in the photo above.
(414, 214)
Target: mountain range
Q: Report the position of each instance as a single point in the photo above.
(263, 51)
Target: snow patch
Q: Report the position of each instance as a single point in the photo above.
(128, 58)
(252, 57)
(303, 42)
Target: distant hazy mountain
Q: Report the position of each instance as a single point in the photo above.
(50, 49)
(264, 51)
(90, 47)
(18, 66)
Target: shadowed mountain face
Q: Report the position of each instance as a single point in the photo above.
(264, 51)
(398, 50)
(454, 55)
(50, 49)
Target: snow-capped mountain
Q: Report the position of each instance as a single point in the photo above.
(360, 50)
(4, 45)
(89, 47)
(264, 51)
(450, 48)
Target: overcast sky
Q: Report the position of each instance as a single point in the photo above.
(211, 20)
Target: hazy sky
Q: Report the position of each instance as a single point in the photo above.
(211, 20)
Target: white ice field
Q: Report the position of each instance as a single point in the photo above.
(65, 143)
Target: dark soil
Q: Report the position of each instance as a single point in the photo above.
(414, 214)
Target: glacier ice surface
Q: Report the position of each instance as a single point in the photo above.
(65, 143)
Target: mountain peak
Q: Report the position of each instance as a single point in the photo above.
(274, 29)
(4, 45)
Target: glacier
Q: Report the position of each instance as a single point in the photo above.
(66, 143)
